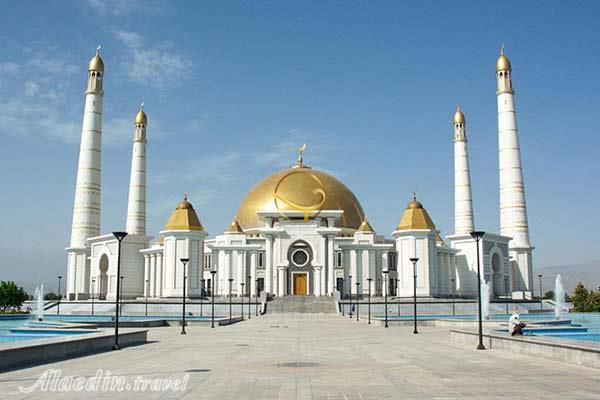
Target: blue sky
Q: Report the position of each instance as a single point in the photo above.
(232, 88)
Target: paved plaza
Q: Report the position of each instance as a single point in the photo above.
(307, 356)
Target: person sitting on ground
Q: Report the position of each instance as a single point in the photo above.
(515, 326)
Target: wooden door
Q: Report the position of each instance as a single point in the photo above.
(300, 284)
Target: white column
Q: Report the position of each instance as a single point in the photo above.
(318, 271)
(269, 265)
(347, 270)
(159, 274)
(384, 267)
(136, 206)
(240, 272)
(463, 202)
(146, 274)
(330, 265)
(217, 266)
(152, 283)
(373, 269)
(513, 208)
(281, 281)
(252, 282)
(227, 272)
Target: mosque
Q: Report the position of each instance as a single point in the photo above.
(299, 231)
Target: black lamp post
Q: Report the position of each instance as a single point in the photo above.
(357, 300)
(59, 296)
(202, 294)
(385, 293)
(121, 297)
(249, 295)
(230, 283)
(397, 294)
(256, 298)
(477, 235)
(453, 296)
(350, 294)
(369, 308)
(147, 289)
(119, 236)
(414, 263)
(506, 292)
(93, 294)
(541, 294)
(184, 261)
(342, 298)
(242, 284)
(212, 295)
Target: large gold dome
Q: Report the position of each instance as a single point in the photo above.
(302, 186)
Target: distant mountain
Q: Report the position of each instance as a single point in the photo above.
(588, 274)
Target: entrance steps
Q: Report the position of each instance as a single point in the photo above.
(302, 304)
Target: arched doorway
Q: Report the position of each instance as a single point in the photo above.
(103, 278)
(497, 276)
(300, 273)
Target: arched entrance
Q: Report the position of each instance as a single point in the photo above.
(497, 276)
(103, 278)
(300, 271)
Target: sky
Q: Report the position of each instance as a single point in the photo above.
(231, 89)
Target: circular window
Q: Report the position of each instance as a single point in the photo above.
(300, 257)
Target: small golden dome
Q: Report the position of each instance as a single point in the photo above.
(140, 117)
(459, 117)
(96, 63)
(234, 227)
(415, 217)
(438, 239)
(503, 64)
(184, 218)
(366, 227)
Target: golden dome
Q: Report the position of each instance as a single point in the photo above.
(503, 64)
(303, 187)
(234, 227)
(184, 218)
(96, 63)
(415, 217)
(366, 227)
(140, 117)
(459, 117)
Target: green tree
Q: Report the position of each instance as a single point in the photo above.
(593, 302)
(549, 295)
(11, 295)
(580, 298)
(50, 296)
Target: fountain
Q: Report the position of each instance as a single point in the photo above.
(559, 296)
(39, 301)
(485, 300)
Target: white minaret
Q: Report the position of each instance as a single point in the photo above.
(86, 210)
(136, 206)
(513, 210)
(463, 202)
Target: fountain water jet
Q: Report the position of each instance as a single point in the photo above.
(39, 301)
(559, 296)
(485, 300)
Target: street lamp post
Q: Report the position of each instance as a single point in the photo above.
(342, 298)
(541, 294)
(477, 235)
(506, 292)
(121, 297)
(230, 283)
(147, 282)
(212, 295)
(242, 284)
(184, 261)
(357, 300)
(369, 308)
(414, 263)
(256, 298)
(350, 294)
(398, 294)
(453, 297)
(59, 296)
(202, 294)
(93, 294)
(119, 236)
(249, 295)
(385, 293)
